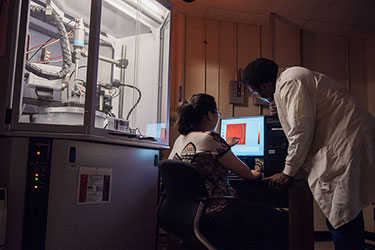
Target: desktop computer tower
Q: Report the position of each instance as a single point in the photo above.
(275, 148)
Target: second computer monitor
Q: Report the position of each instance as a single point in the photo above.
(250, 130)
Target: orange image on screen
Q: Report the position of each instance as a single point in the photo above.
(237, 130)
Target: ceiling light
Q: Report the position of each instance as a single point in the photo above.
(155, 13)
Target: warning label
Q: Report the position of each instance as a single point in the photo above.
(94, 185)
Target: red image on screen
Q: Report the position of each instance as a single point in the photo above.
(237, 130)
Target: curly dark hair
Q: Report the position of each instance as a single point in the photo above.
(191, 112)
(259, 71)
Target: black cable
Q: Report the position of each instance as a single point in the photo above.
(139, 131)
(138, 100)
(117, 94)
(52, 37)
(114, 94)
(80, 67)
(37, 95)
(65, 48)
(117, 84)
(81, 82)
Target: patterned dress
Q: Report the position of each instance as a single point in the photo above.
(203, 149)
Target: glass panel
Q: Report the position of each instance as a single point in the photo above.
(56, 58)
(134, 67)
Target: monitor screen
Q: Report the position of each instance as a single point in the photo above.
(250, 130)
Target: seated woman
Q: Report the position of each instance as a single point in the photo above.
(211, 155)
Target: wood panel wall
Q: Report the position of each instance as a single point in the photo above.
(326, 54)
(341, 58)
(216, 50)
(206, 55)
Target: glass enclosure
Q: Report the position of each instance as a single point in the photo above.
(51, 92)
(133, 66)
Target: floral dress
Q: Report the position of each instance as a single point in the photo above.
(202, 150)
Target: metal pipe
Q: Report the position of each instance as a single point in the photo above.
(121, 88)
(109, 60)
(122, 63)
(101, 101)
(161, 68)
(76, 61)
(180, 57)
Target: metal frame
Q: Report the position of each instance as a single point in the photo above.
(20, 68)
(197, 232)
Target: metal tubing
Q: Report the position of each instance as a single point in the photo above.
(121, 88)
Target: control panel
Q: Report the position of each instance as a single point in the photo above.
(36, 193)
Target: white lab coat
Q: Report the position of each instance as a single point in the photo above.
(332, 137)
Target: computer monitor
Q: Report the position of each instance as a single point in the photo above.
(250, 130)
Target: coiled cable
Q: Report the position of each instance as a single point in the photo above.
(65, 48)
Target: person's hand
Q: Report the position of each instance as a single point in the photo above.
(272, 108)
(279, 181)
(257, 174)
(233, 141)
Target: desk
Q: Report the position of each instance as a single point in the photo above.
(297, 198)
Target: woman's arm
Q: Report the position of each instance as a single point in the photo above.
(232, 163)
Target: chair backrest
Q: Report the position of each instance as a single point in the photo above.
(184, 187)
(181, 179)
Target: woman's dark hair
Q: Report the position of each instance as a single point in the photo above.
(259, 71)
(191, 112)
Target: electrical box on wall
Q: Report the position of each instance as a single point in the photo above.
(236, 92)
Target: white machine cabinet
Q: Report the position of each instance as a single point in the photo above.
(84, 113)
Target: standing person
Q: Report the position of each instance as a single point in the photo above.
(211, 155)
(331, 136)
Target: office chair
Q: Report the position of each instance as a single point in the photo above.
(182, 205)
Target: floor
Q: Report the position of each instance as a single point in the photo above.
(323, 245)
(318, 245)
(328, 245)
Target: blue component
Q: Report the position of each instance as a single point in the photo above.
(78, 42)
